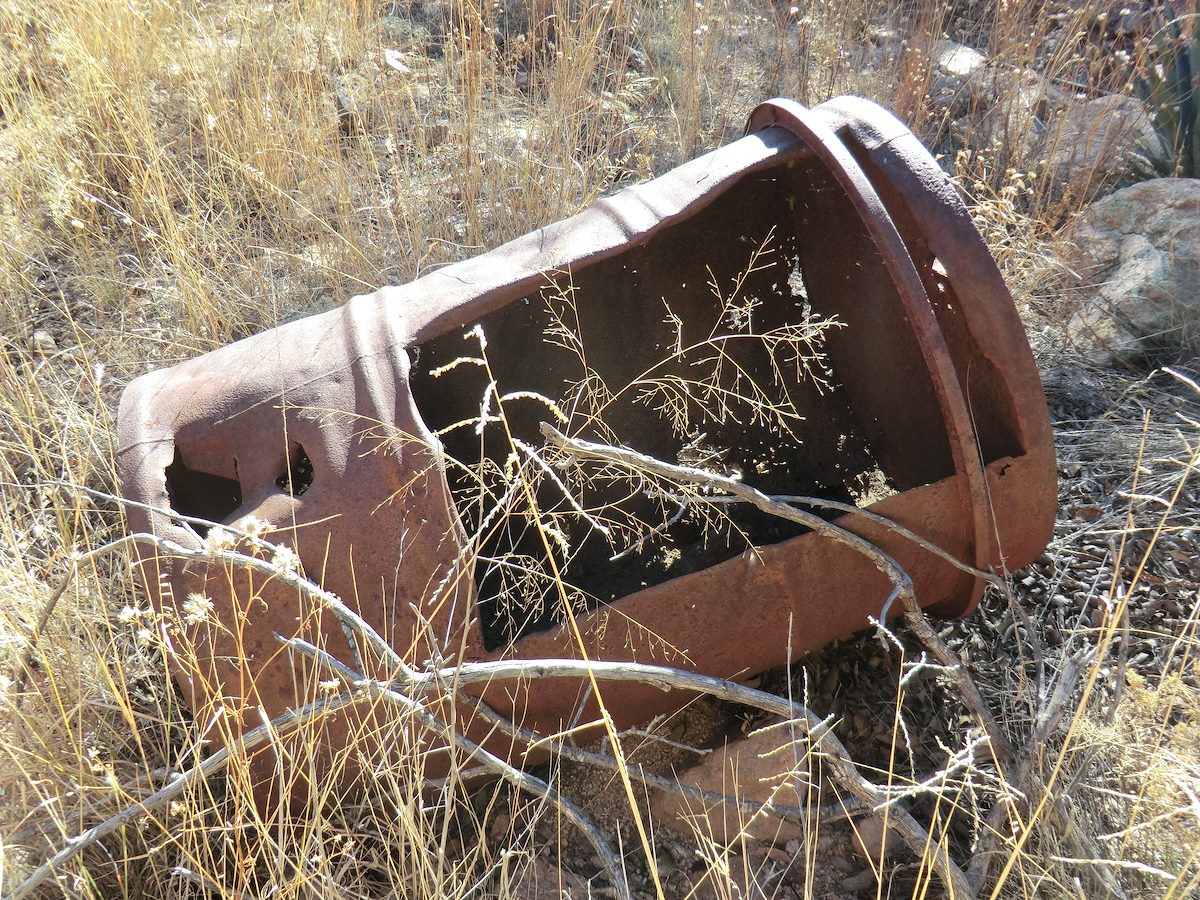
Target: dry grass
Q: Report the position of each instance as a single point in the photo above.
(173, 177)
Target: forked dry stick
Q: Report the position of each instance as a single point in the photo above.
(822, 739)
(783, 508)
(410, 683)
(369, 688)
(362, 690)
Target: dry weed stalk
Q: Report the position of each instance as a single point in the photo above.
(700, 480)
(176, 177)
(717, 387)
(408, 684)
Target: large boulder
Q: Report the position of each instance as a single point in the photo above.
(1008, 109)
(1137, 253)
(1093, 142)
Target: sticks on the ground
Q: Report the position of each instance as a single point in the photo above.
(290, 720)
(699, 478)
(840, 765)
(410, 685)
(523, 781)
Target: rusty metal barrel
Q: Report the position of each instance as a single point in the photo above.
(360, 435)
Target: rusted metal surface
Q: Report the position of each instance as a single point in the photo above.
(326, 429)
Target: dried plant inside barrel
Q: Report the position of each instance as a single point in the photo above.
(708, 345)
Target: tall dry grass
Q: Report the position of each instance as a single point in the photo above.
(176, 176)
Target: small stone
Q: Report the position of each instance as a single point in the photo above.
(780, 855)
(958, 59)
(839, 862)
(860, 882)
(42, 343)
(665, 865)
(955, 68)
(765, 765)
(395, 60)
(870, 840)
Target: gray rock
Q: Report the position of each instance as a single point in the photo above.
(1137, 253)
(1092, 142)
(957, 69)
(1008, 112)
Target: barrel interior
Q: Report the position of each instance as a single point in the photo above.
(762, 336)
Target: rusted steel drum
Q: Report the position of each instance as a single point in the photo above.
(358, 435)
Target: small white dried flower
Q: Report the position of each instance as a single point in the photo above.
(219, 539)
(145, 637)
(285, 558)
(477, 333)
(197, 608)
(253, 526)
(129, 614)
(328, 687)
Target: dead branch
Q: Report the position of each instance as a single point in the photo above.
(903, 589)
(410, 682)
(523, 781)
(851, 510)
(842, 768)
(288, 721)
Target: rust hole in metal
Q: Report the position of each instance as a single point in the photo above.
(297, 476)
(200, 494)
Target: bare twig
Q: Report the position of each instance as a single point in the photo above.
(288, 721)
(475, 753)
(40, 626)
(409, 683)
(903, 589)
(906, 533)
(639, 462)
(841, 766)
